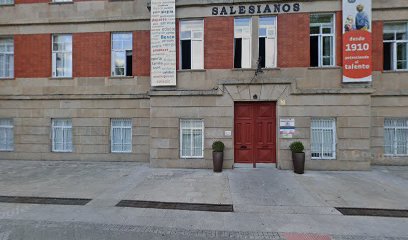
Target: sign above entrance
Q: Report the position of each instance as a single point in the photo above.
(357, 43)
(257, 9)
(163, 43)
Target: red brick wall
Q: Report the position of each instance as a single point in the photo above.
(293, 40)
(141, 53)
(219, 42)
(339, 39)
(46, 1)
(378, 57)
(91, 54)
(32, 55)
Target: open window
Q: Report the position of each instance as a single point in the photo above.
(192, 44)
(267, 42)
(242, 42)
(322, 41)
(122, 54)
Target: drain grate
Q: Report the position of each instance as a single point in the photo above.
(44, 200)
(401, 213)
(177, 206)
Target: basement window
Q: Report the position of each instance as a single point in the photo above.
(242, 42)
(267, 42)
(61, 135)
(192, 44)
(396, 137)
(122, 54)
(192, 138)
(6, 135)
(322, 41)
(121, 135)
(323, 140)
(395, 46)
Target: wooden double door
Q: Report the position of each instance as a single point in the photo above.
(255, 132)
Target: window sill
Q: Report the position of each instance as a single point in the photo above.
(192, 158)
(191, 70)
(243, 69)
(61, 78)
(7, 5)
(324, 68)
(7, 150)
(61, 3)
(395, 71)
(10, 78)
(270, 69)
(121, 77)
(62, 151)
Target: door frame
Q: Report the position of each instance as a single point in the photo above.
(277, 145)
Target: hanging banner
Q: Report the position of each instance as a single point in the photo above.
(163, 42)
(357, 42)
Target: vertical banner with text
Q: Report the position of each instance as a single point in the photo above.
(163, 42)
(357, 41)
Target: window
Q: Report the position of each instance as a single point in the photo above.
(6, 135)
(191, 138)
(396, 46)
(6, 58)
(61, 135)
(121, 135)
(242, 42)
(396, 137)
(122, 54)
(267, 42)
(192, 44)
(62, 55)
(323, 138)
(6, 2)
(322, 39)
(62, 0)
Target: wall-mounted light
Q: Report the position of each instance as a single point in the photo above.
(255, 97)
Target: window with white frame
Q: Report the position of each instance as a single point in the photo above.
(121, 135)
(6, 58)
(395, 46)
(122, 45)
(192, 138)
(267, 42)
(62, 55)
(6, 135)
(396, 137)
(242, 42)
(61, 135)
(6, 2)
(322, 40)
(192, 44)
(323, 138)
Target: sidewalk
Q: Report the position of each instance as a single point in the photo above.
(268, 203)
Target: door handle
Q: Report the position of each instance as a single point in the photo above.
(243, 147)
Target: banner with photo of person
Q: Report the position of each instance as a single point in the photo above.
(357, 41)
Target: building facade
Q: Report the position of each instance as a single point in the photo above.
(75, 84)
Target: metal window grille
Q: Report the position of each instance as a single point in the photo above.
(121, 48)
(191, 138)
(62, 55)
(6, 135)
(323, 142)
(61, 135)
(322, 27)
(396, 44)
(6, 58)
(396, 137)
(5, 2)
(121, 135)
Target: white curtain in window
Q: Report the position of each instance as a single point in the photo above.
(62, 55)
(6, 135)
(192, 137)
(323, 139)
(396, 137)
(62, 135)
(121, 135)
(6, 58)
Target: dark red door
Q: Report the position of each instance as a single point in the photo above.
(255, 132)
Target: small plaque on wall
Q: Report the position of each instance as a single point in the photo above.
(287, 127)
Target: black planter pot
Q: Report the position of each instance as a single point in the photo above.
(298, 162)
(218, 159)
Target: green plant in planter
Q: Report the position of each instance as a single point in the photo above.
(297, 147)
(218, 146)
